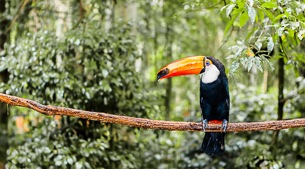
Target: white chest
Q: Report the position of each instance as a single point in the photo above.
(210, 75)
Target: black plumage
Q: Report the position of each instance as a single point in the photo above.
(214, 95)
(215, 105)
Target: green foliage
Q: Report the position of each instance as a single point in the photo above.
(269, 22)
(86, 68)
(104, 55)
(102, 77)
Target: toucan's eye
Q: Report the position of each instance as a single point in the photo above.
(208, 63)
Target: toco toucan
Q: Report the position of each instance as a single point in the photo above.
(214, 95)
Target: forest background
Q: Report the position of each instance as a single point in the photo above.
(103, 55)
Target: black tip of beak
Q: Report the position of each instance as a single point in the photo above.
(162, 73)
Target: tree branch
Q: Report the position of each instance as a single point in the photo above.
(147, 123)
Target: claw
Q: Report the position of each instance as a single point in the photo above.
(204, 124)
(224, 125)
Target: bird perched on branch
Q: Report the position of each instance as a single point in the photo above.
(214, 95)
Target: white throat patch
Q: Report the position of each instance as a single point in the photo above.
(210, 75)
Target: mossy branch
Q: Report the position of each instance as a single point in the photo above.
(147, 123)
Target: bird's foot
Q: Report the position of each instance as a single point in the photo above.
(204, 124)
(224, 125)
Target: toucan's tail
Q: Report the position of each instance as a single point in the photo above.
(213, 143)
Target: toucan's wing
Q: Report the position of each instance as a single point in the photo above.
(227, 95)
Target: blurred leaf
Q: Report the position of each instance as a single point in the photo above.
(243, 19)
(269, 14)
(270, 44)
(229, 9)
(251, 2)
(229, 24)
(251, 13)
(269, 5)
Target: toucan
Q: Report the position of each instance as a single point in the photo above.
(214, 95)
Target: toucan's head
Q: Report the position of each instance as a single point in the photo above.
(210, 67)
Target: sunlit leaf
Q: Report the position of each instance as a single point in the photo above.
(234, 66)
(229, 24)
(231, 57)
(269, 14)
(301, 34)
(243, 19)
(280, 16)
(250, 2)
(261, 15)
(269, 63)
(249, 52)
(229, 9)
(258, 63)
(270, 44)
(249, 63)
(251, 14)
(258, 44)
(269, 5)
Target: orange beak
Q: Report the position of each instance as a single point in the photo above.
(187, 66)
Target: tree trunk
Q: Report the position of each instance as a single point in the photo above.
(265, 79)
(280, 98)
(169, 39)
(3, 78)
(280, 110)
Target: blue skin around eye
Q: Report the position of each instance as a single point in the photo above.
(208, 63)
